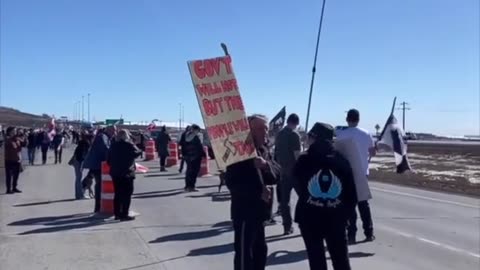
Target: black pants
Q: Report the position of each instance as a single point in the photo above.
(334, 234)
(58, 155)
(123, 195)
(97, 174)
(250, 245)
(286, 187)
(44, 153)
(31, 155)
(163, 160)
(12, 172)
(193, 168)
(366, 216)
(182, 163)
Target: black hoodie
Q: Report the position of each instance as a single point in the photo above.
(324, 184)
(246, 187)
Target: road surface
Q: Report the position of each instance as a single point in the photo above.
(43, 228)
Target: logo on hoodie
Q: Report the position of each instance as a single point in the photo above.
(324, 188)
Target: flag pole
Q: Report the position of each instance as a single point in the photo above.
(314, 65)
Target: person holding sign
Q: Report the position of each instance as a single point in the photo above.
(248, 182)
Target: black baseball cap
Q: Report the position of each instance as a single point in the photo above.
(321, 131)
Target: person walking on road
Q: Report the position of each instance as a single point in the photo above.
(248, 182)
(193, 155)
(366, 147)
(121, 158)
(287, 150)
(31, 146)
(45, 144)
(161, 143)
(58, 142)
(181, 145)
(12, 160)
(79, 155)
(326, 197)
(95, 156)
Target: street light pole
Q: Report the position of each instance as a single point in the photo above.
(88, 102)
(83, 108)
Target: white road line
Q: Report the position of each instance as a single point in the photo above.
(434, 243)
(426, 198)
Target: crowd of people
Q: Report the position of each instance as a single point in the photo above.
(323, 179)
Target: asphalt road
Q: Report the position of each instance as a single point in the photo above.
(43, 228)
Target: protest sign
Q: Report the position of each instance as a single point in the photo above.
(222, 110)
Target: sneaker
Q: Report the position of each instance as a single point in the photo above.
(16, 190)
(117, 218)
(370, 238)
(194, 190)
(127, 218)
(288, 231)
(163, 170)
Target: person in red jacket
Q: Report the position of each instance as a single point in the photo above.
(12, 160)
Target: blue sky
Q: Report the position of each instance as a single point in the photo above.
(131, 56)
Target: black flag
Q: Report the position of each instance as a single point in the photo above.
(277, 122)
(392, 135)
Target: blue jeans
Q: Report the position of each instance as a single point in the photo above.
(78, 167)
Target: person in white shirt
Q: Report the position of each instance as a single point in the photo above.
(366, 146)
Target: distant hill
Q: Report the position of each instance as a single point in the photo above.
(13, 117)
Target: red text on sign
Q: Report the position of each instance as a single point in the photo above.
(209, 89)
(211, 67)
(234, 103)
(243, 148)
(226, 129)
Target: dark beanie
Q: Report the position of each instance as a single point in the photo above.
(321, 131)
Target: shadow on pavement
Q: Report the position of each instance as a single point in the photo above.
(169, 190)
(227, 248)
(158, 195)
(188, 236)
(177, 178)
(287, 257)
(61, 223)
(43, 203)
(162, 174)
(216, 196)
(218, 228)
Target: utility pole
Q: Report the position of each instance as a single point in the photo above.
(83, 108)
(404, 108)
(180, 116)
(88, 105)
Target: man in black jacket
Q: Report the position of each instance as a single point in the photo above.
(248, 182)
(121, 159)
(326, 191)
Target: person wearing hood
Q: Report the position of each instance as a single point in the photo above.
(326, 197)
(161, 143)
(193, 155)
(249, 183)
